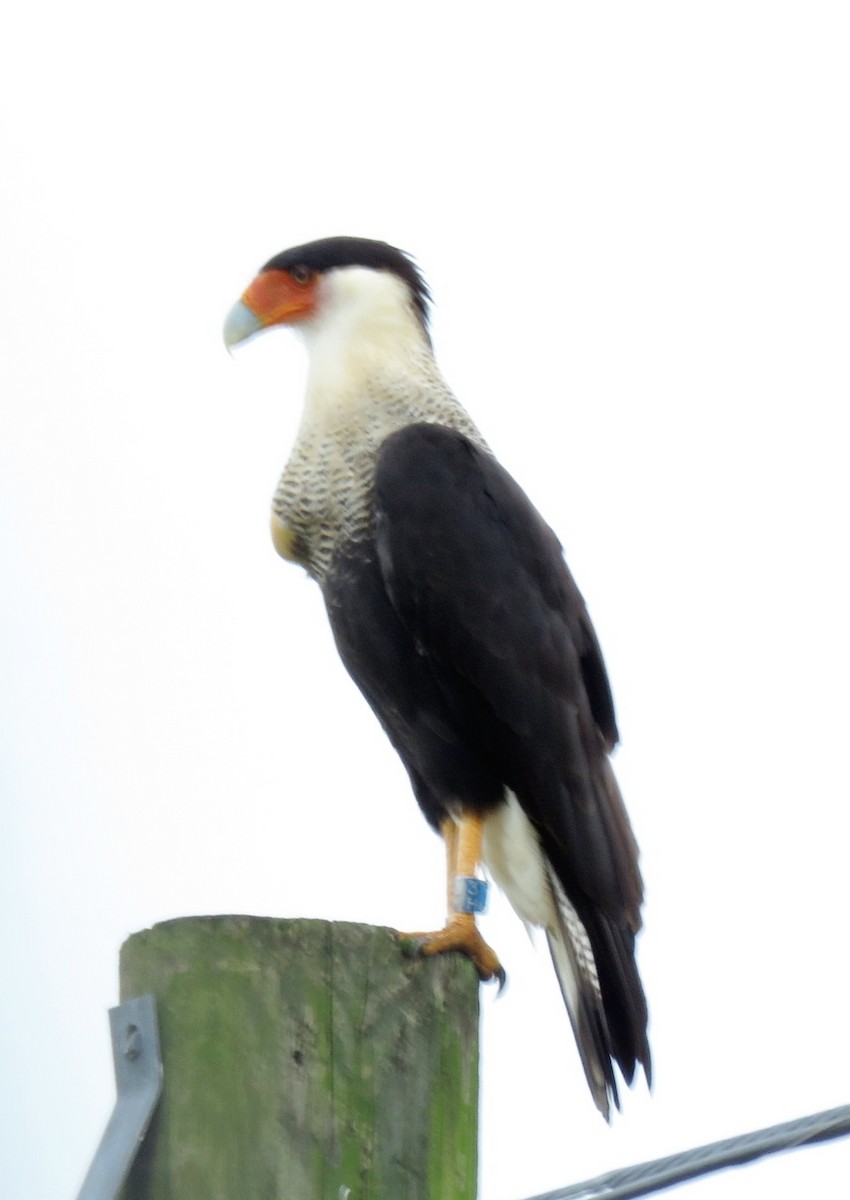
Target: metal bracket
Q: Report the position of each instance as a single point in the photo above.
(138, 1083)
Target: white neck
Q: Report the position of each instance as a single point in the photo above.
(365, 334)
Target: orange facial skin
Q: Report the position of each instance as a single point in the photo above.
(276, 298)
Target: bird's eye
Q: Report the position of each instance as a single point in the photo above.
(301, 274)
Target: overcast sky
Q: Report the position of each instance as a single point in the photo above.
(634, 220)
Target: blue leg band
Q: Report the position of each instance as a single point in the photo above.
(470, 894)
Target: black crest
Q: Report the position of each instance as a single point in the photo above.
(329, 253)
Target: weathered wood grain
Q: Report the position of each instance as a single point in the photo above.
(302, 1057)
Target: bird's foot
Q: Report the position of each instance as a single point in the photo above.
(460, 934)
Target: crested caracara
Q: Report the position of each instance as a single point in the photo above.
(454, 612)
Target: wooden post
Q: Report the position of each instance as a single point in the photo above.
(306, 1057)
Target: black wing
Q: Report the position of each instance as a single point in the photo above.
(478, 581)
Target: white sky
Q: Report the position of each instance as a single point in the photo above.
(634, 219)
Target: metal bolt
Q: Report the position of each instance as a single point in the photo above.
(132, 1042)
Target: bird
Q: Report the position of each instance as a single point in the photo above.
(453, 609)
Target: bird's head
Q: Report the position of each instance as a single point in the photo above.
(303, 285)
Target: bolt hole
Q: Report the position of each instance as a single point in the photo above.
(132, 1042)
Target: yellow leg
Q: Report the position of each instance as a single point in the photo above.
(460, 933)
(448, 830)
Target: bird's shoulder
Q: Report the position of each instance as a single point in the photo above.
(465, 554)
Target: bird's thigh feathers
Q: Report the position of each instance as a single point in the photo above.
(513, 856)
